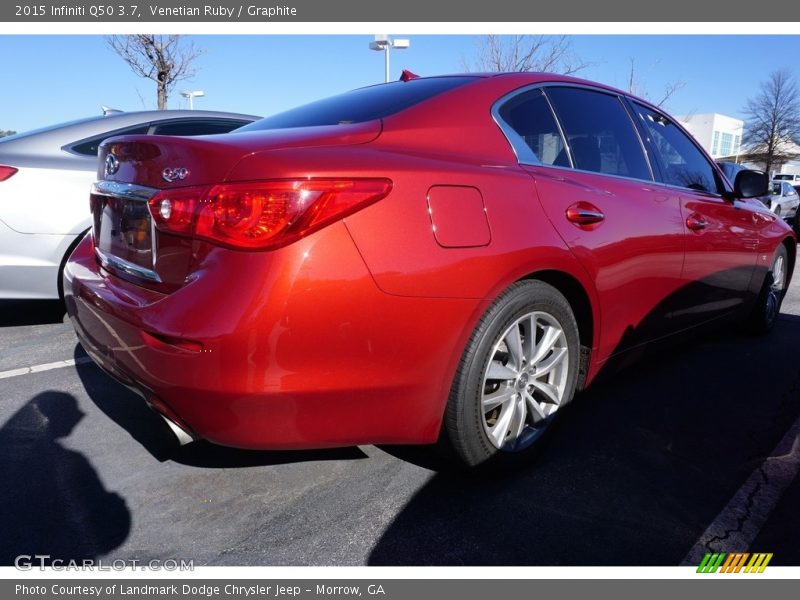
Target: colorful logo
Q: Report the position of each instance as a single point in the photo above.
(734, 562)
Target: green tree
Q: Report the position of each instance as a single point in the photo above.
(4, 133)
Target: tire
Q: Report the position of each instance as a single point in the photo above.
(506, 393)
(762, 318)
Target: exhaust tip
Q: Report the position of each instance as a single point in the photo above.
(183, 436)
(182, 433)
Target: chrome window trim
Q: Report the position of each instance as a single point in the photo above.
(521, 149)
(525, 155)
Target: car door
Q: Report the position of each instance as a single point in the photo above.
(592, 177)
(722, 233)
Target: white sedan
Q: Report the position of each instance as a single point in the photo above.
(45, 176)
(784, 200)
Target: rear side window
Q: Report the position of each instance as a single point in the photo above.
(89, 147)
(199, 127)
(682, 162)
(600, 134)
(365, 104)
(529, 117)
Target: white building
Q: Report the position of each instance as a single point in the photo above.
(720, 135)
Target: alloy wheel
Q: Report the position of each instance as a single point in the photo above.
(525, 381)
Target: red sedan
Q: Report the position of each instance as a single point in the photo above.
(439, 259)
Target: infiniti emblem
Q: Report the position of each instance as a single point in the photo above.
(174, 173)
(112, 164)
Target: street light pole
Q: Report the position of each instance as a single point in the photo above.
(384, 43)
(191, 95)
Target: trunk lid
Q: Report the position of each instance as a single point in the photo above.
(132, 169)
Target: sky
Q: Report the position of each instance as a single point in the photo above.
(55, 78)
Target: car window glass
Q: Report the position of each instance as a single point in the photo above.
(198, 127)
(683, 163)
(776, 189)
(600, 133)
(530, 117)
(364, 104)
(89, 147)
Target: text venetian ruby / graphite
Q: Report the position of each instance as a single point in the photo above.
(228, 12)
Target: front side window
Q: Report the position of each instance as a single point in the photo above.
(529, 116)
(682, 162)
(599, 131)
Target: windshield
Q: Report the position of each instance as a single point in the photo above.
(364, 104)
(786, 177)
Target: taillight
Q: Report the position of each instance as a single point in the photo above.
(6, 172)
(261, 215)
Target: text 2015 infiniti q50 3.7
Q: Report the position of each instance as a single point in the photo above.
(438, 259)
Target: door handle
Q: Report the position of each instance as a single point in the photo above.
(584, 213)
(696, 222)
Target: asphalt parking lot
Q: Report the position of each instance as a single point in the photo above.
(648, 464)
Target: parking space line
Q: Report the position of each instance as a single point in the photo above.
(735, 528)
(45, 367)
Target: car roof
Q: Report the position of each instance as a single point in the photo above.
(50, 139)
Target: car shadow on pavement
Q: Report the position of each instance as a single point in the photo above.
(130, 412)
(632, 474)
(15, 313)
(52, 501)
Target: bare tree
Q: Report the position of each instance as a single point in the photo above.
(772, 131)
(552, 54)
(166, 59)
(635, 86)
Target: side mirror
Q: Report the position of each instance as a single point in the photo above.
(750, 184)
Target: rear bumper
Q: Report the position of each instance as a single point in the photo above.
(295, 348)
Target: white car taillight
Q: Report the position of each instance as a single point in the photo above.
(6, 172)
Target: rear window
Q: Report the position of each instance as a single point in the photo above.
(364, 104)
(201, 127)
(89, 146)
